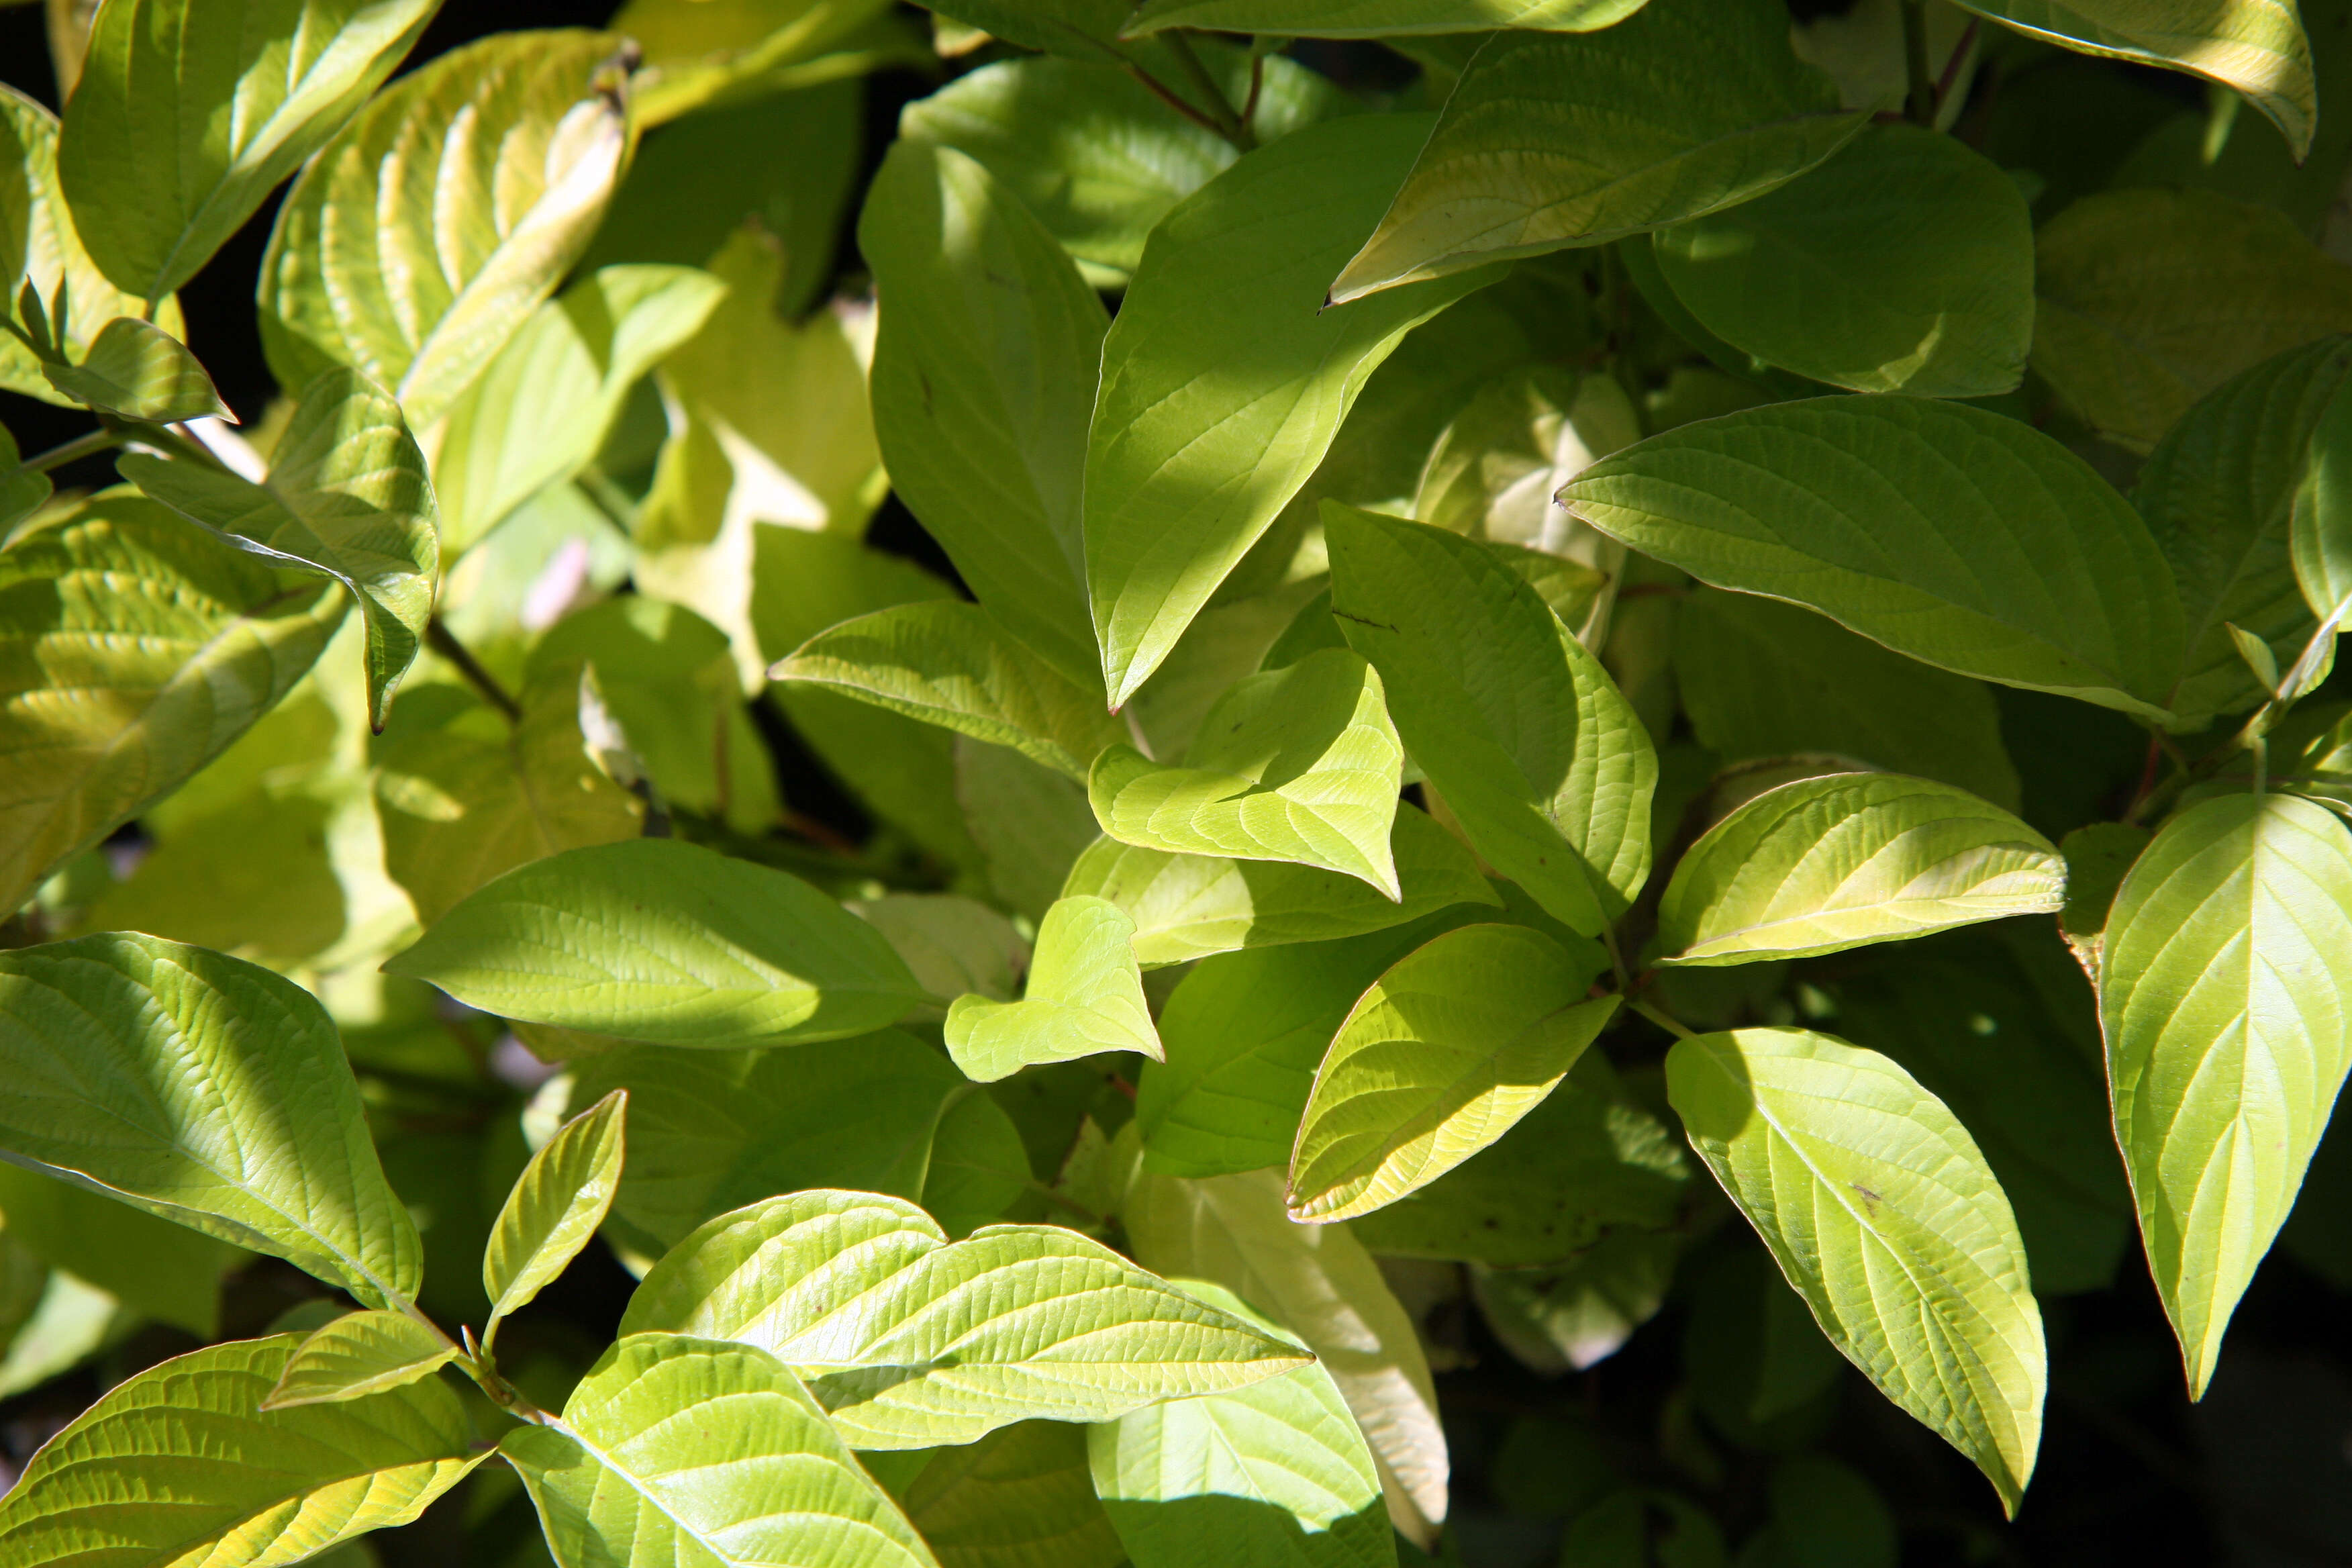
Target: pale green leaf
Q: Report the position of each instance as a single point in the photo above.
(954, 665)
(1683, 108)
(537, 412)
(1094, 154)
(681, 1453)
(1440, 1056)
(1879, 1209)
(1521, 731)
(346, 497)
(2150, 299)
(204, 1090)
(153, 1267)
(2222, 994)
(910, 1341)
(181, 1464)
(986, 351)
(358, 1354)
(1825, 863)
(2320, 523)
(1273, 1476)
(23, 492)
(557, 1202)
(1905, 263)
(1761, 679)
(699, 55)
(1318, 1282)
(95, 726)
(502, 156)
(1963, 539)
(710, 1131)
(71, 1321)
(470, 799)
(1299, 764)
(136, 369)
(1019, 1498)
(2256, 47)
(188, 113)
(1376, 18)
(1491, 472)
(39, 247)
(951, 944)
(1190, 906)
(1244, 1033)
(1574, 1318)
(1586, 1162)
(1028, 824)
(1085, 995)
(1225, 379)
(651, 939)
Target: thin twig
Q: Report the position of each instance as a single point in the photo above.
(1662, 1018)
(1227, 123)
(1920, 105)
(441, 640)
(1172, 99)
(1951, 73)
(79, 447)
(1257, 85)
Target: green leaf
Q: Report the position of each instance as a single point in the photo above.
(1825, 864)
(1578, 1167)
(1905, 263)
(954, 665)
(1376, 18)
(679, 1453)
(710, 1131)
(1685, 108)
(23, 492)
(950, 944)
(95, 726)
(502, 154)
(1028, 824)
(139, 371)
(204, 1090)
(181, 1464)
(698, 55)
(2150, 299)
(1879, 1209)
(1441, 1057)
(1273, 1476)
(1574, 1318)
(2223, 999)
(152, 1266)
(2320, 525)
(346, 497)
(1190, 906)
(910, 1341)
(557, 1202)
(1244, 1033)
(1761, 679)
(1094, 154)
(1019, 1498)
(464, 803)
(537, 412)
(1299, 764)
(2097, 859)
(1318, 1282)
(1964, 540)
(1225, 379)
(40, 250)
(2256, 47)
(188, 113)
(986, 353)
(1538, 757)
(1085, 995)
(358, 1354)
(655, 940)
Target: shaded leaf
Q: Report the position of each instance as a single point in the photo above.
(1538, 757)
(346, 497)
(657, 939)
(204, 1090)
(620, 1476)
(359, 1355)
(910, 1341)
(1019, 1498)
(1225, 379)
(699, 55)
(557, 1202)
(2320, 523)
(2222, 997)
(1878, 1207)
(1576, 1317)
(1683, 108)
(1964, 540)
(1440, 1056)
(2097, 858)
(1376, 18)
(1085, 995)
(504, 153)
(1825, 864)
(136, 369)
(150, 1265)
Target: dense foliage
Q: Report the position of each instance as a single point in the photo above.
(1318, 782)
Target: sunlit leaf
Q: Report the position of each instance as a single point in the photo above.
(557, 1202)
(1085, 995)
(1376, 18)
(1684, 107)
(651, 939)
(359, 1355)
(2320, 525)
(2222, 994)
(139, 371)
(699, 55)
(1878, 1207)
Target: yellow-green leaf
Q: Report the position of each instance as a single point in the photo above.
(139, 371)
(358, 1354)
(557, 1202)
(1085, 995)
(1376, 18)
